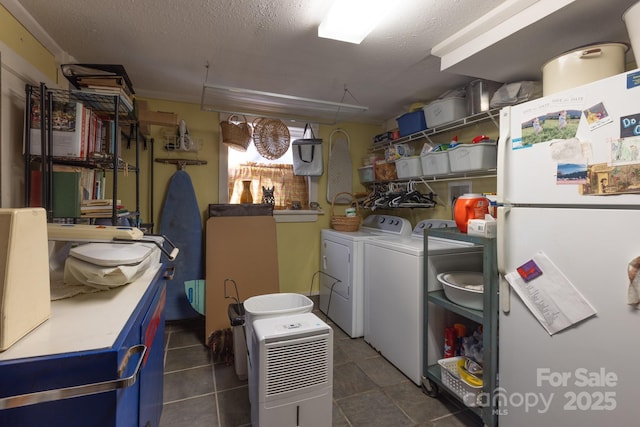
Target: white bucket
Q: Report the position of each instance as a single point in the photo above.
(584, 65)
(631, 18)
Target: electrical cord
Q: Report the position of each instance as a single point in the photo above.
(336, 281)
(240, 310)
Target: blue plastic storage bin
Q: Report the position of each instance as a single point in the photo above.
(409, 123)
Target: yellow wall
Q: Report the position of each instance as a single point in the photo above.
(18, 39)
(298, 243)
(203, 126)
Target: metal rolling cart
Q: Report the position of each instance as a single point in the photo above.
(481, 400)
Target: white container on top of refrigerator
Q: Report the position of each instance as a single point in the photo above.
(567, 187)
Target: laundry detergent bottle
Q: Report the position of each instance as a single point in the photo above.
(469, 206)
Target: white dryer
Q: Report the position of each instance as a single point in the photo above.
(394, 295)
(342, 265)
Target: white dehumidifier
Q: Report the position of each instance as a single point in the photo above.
(293, 382)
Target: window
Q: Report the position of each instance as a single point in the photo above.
(236, 166)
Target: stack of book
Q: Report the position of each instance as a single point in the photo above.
(101, 208)
(102, 79)
(107, 85)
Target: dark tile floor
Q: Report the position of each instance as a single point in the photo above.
(367, 390)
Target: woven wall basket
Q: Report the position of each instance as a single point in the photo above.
(271, 138)
(236, 135)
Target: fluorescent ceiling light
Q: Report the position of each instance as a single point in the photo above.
(275, 105)
(351, 20)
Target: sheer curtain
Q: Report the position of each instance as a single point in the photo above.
(287, 186)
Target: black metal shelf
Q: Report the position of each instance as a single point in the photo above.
(105, 163)
(112, 107)
(100, 103)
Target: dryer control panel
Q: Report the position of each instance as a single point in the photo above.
(388, 224)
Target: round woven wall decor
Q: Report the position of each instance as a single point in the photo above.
(271, 138)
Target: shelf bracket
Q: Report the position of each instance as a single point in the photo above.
(181, 164)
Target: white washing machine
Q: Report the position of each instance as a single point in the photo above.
(393, 307)
(341, 253)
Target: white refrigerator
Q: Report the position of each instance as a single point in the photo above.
(568, 248)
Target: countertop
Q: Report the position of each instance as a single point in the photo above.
(84, 322)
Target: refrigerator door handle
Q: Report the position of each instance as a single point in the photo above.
(503, 145)
(505, 290)
(505, 295)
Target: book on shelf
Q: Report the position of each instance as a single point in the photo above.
(92, 183)
(104, 214)
(100, 208)
(100, 202)
(127, 100)
(115, 82)
(69, 131)
(115, 73)
(66, 191)
(79, 133)
(109, 209)
(100, 180)
(106, 141)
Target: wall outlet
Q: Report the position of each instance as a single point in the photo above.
(457, 189)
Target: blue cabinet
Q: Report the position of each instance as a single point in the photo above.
(129, 323)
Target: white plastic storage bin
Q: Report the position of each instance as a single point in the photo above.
(272, 305)
(473, 157)
(469, 394)
(366, 173)
(445, 110)
(435, 163)
(409, 167)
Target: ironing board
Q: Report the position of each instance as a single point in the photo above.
(339, 170)
(181, 223)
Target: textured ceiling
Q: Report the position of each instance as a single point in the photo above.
(265, 45)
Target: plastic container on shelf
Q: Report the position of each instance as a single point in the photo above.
(413, 122)
(479, 93)
(473, 157)
(385, 171)
(450, 379)
(445, 110)
(409, 167)
(366, 174)
(435, 163)
(464, 288)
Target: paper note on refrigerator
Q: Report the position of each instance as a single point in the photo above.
(550, 296)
